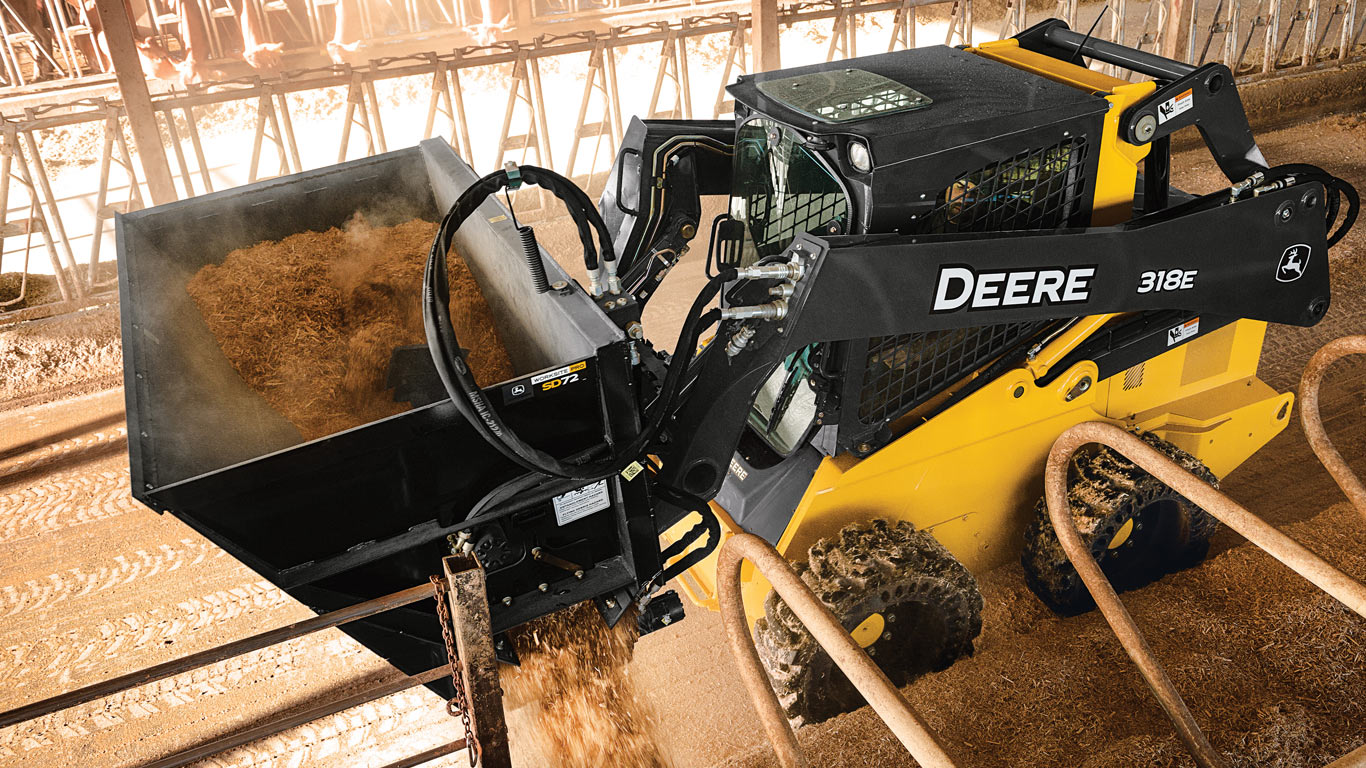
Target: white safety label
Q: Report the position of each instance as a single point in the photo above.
(1183, 331)
(581, 503)
(1175, 105)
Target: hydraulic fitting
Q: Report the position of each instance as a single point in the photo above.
(779, 271)
(774, 310)
(595, 282)
(783, 290)
(1236, 191)
(739, 341)
(613, 282)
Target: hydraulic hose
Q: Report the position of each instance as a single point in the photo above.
(458, 380)
(1337, 190)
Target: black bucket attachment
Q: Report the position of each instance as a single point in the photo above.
(365, 512)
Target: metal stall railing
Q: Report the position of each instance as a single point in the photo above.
(1344, 589)
(528, 129)
(870, 681)
(462, 589)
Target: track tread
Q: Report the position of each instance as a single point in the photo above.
(1105, 490)
(864, 569)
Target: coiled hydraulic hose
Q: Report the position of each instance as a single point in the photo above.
(459, 382)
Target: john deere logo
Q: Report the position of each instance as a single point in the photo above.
(1293, 262)
(740, 472)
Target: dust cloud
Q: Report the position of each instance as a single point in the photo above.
(572, 701)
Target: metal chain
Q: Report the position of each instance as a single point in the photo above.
(457, 705)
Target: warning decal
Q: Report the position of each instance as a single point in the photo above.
(581, 503)
(1184, 331)
(1175, 105)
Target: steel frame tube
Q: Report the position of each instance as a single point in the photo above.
(270, 728)
(865, 675)
(1266, 537)
(1312, 420)
(426, 757)
(214, 655)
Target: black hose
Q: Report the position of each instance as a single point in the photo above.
(459, 382)
(534, 265)
(1336, 190)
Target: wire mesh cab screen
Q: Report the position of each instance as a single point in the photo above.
(888, 376)
(1037, 189)
(843, 95)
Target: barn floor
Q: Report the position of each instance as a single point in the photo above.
(93, 585)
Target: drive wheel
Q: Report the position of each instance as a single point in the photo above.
(1137, 528)
(905, 599)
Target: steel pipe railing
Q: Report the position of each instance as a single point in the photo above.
(213, 655)
(325, 707)
(862, 672)
(1310, 417)
(278, 725)
(1341, 587)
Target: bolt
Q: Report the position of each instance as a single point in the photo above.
(891, 617)
(1145, 128)
(864, 447)
(578, 574)
(543, 587)
(507, 601)
(559, 285)
(1286, 212)
(1079, 389)
(610, 603)
(688, 230)
(635, 330)
(536, 552)
(1019, 392)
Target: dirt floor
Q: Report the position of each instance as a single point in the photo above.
(93, 585)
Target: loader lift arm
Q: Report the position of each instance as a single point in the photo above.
(1258, 257)
(652, 202)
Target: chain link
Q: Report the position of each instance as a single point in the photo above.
(457, 705)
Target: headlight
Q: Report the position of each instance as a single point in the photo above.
(859, 157)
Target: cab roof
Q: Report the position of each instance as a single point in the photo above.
(971, 98)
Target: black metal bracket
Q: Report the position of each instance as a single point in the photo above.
(1203, 96)
(1206, 98)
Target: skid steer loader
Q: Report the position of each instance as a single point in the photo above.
(933, 262)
